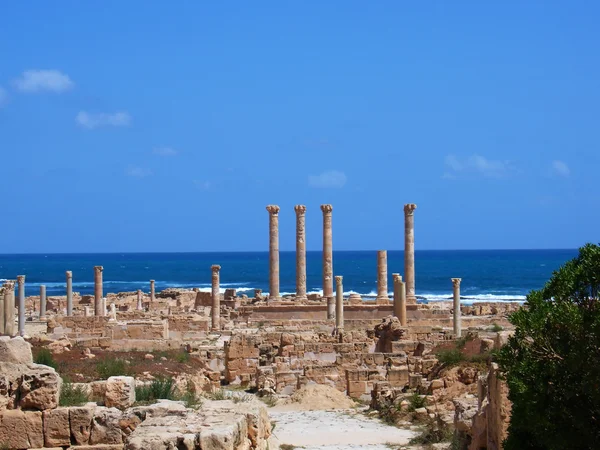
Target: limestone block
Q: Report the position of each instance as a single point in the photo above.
(421, 414)
(105, 426)
(436, 384)
(80, 420)
(57, 431)
(21, 429)
(15, 350)
(120, 392)
(39, 388)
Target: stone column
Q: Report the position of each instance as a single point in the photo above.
(21, 282)
(139, 300)
(98, 310)
(409, 252)
(42, 301)
(327, 252)
(215, 311)
(300, 252)
(399, 299)
(69, 293)
(2, 290)
(339, 303)
(382, 281)
(273, 252)
(86, 311)
(113, 312)
(457, 318)
(9, 308)
(152, 295)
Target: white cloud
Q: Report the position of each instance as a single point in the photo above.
(560, 168)
(328, 179)
(139, 172)
(165, 151)
(476, 164)
(43, 80)
(94, 120)
(3, 96)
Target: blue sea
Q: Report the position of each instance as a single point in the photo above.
(488, 275)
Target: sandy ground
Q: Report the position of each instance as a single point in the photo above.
(335, 430)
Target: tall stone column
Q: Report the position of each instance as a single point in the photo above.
(300, 252)
(339, 303)
(69, 293)
(399, 299)
(382, 278)
(42, 301)
(9, 308)
(2, 290)
(21, 282)
(273, 252)
(139, 300)
(457, 318)
(409, 252)
(99, 310)
(152, 295)
(327, 252)
(215, 311)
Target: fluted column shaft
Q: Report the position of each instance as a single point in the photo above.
(2, 310)
(457, 316)
(99, 308)
(152, 296)
(9, 308)
(69, 275)
(382, 278)
(339, 302)
(399, 299)
(273, 252)
(300, 252)
(409, 252)
(139, 300)
(215, 311)
(327, 252)
(42, 301)
(21, 282)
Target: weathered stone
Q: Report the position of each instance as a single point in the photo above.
(15, 350)
(273, 211)
(327, 251)
(105, 426)
(120, 392)
(80, 420)
(39, 388)
(57, 432)
(21, 429)
(409, 252)
(300, 252)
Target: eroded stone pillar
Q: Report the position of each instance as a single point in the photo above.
(9, 308)
(21, 283)
(139, 300)
(69, 293)
(86, 311)
(273, 252)
(382, 279)
(327, 252)
(152, 295)
(2, 289)
(339, 303)
(457, 317)
(99, 310)
(399, 299)
(409, 252)
(113, 312)
(215, 311)
(300, 252)
(42, 301)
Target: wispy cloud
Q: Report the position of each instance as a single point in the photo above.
(32, 81)
(560, 168)
(204, 185)
(328, 179)
(3, 96)
(165, 151)
(95, 120)
(475, 164)
(139, 172)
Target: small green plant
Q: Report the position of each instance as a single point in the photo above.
(434, 432)
(218, 394)
(71, 395)
(182, 357)
(287, 447)
(160, 388)
(269, 400)
(190, 398)
(496, 328)
(416, 401)
(111, 367)
(44, 356)
(450, 357)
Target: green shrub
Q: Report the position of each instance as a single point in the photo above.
(433, 432)
(160, 388)
(496, 328)
(190, 398)
(450, 357)
(218, 394)
(44, 356)
(182, 357)
(112, 367)
(269, 400)
(71, 395)
(416, 401)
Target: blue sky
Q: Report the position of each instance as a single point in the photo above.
(169, 126)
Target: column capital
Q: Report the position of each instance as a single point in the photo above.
(151, 281)
(20, 279)
(9, 285)
(273, 209)
(338, 279)
(327, 208)
(215, 268)
(396, 277)
(300, 210)
(409, 209)
(98, 268)
(456, 281)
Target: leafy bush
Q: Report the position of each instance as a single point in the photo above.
(433, 432)
(160, 388)
(218, 394)
(496, 328)
(415, 401)
(44, 356)
(450, 357)
(71, 395)
(182, 357)
(552, 363)
(111, 367)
